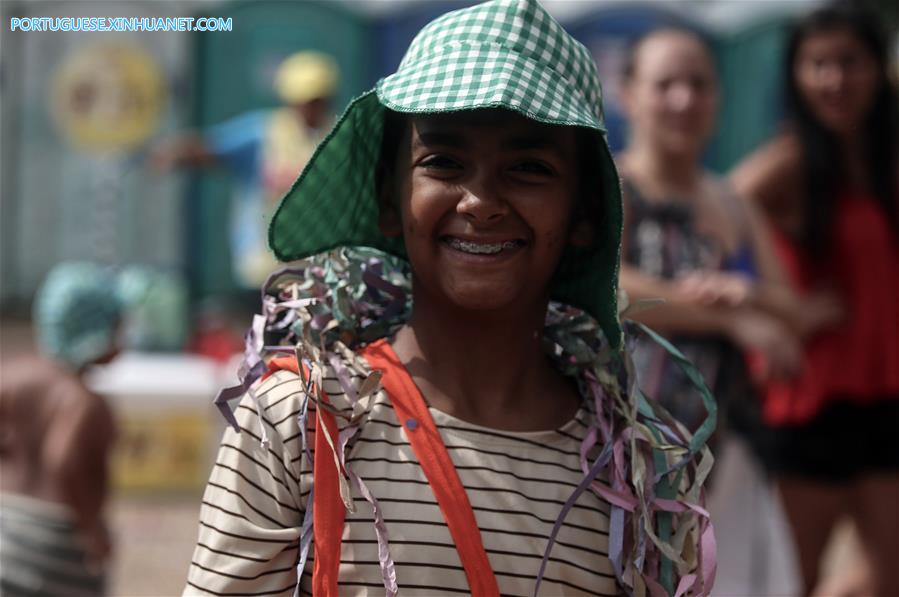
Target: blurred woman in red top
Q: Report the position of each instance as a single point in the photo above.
(830, 186)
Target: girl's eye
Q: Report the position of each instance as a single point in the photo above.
(849, 61)
(440, 162)
(533, 168)
(699, 84)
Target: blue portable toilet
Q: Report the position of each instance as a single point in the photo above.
(394, 32)
(751, 67)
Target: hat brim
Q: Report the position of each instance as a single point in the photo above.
(333, 203)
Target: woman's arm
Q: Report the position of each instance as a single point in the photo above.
(769, 185)
(677, 314)
(772, 291)
(727, 313)
(80, 449)
(771, 178)
(748, 328)
(684, 309)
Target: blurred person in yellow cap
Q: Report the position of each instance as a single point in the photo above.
(265, 150)
(55, 439)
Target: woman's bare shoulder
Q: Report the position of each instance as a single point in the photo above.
(770, 170)
(775, 158)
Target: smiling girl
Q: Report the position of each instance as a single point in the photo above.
(451, 413)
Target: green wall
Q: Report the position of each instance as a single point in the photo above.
(750, 64)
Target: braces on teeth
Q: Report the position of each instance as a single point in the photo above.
(470, 247)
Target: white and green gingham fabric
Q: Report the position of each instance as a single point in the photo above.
(527, 60)
(508, 54)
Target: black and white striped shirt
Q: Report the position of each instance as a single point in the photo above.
(516, 482)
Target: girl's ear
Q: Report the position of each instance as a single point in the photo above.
(582, 234)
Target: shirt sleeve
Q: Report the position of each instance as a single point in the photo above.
(238, 141)
(253, 506)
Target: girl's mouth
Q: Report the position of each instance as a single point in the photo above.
(477, 248)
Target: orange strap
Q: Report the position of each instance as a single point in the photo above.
(328, 510)
(328, 514)
(439, 469)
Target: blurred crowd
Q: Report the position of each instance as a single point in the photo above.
(779, 280)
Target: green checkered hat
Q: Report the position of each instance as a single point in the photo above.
(508, 54)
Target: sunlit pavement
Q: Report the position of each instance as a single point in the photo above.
(154, 540)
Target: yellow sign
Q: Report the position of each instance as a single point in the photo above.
(169, 450)
(108, 98)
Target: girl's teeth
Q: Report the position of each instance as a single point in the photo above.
(478, 248)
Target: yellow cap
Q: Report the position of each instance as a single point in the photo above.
(306, 76)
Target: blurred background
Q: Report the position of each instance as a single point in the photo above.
(84, 115)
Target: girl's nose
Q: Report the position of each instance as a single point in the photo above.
(681, 97)
(832, 75)
(482, 204)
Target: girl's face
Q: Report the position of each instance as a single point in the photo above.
(672, 95)
(486, 200)
(837, 78)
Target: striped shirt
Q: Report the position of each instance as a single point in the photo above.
(517, 483)
(42, 551)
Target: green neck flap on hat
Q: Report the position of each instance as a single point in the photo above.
(508, 54)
